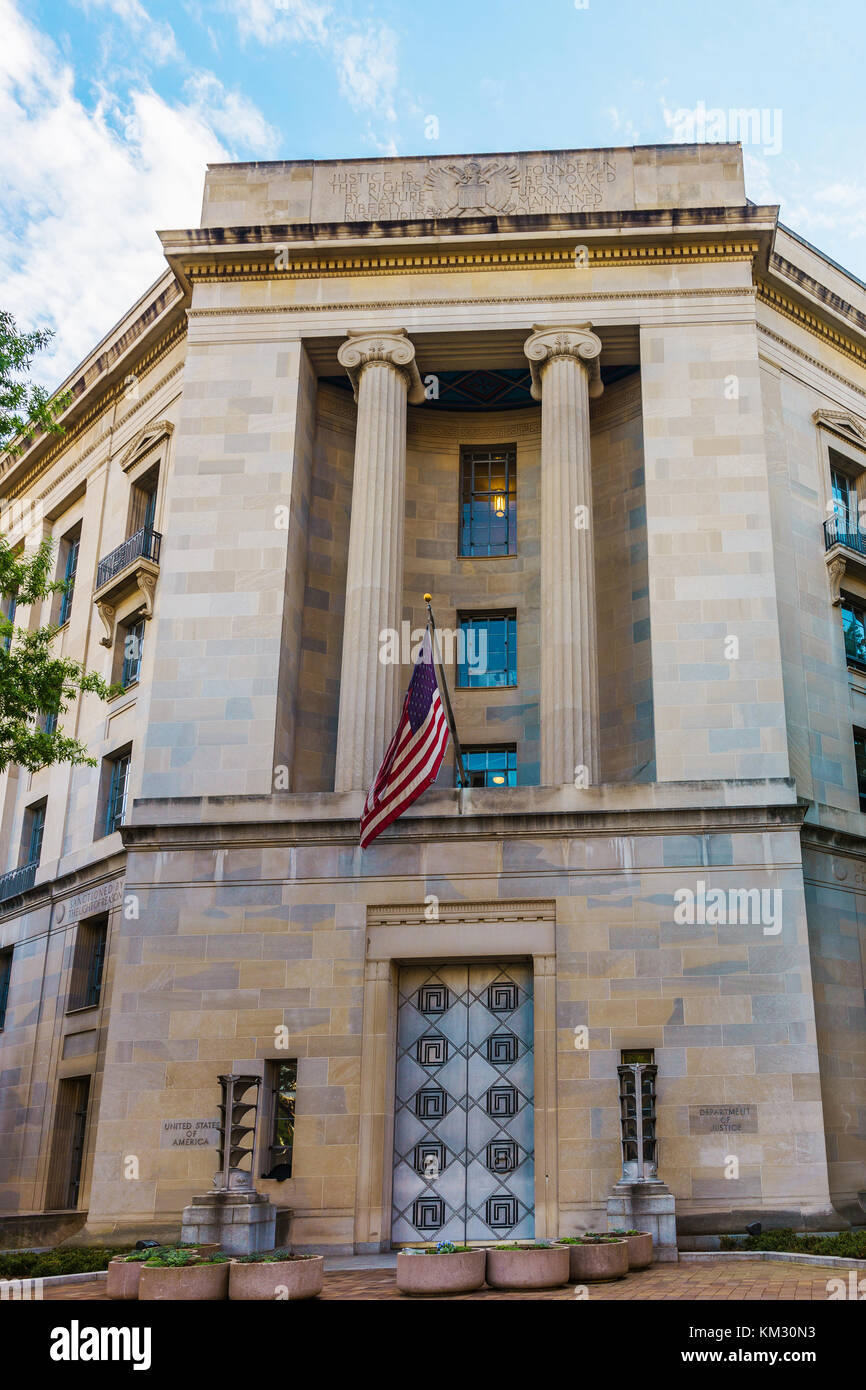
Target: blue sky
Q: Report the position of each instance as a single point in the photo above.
(110, 109)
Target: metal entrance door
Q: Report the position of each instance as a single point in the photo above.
(463, 1124)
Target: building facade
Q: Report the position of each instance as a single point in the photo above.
(611, 414)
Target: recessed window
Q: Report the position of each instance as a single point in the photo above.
(854, 629)
(860, 759)
(33, 832)
(844, 499)
(487, 654)
(488, 501)
(131, 637)
(284, 1084)
(142, 510)
(117, 770)
(67, 1148)
(88, 964)
(5, 977)
(491, 767)
(69, 547)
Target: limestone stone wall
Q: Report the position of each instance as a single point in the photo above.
(45, 1041)
(464, 584)
(711, 573)
(236, 939)
(318, 699)
(360, 190)
(836, 906)
(216, 685)
(622, 585)
(89, 486)
(817, 695)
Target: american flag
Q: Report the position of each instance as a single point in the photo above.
(414, 754)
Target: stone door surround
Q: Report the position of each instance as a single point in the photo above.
(439, 933)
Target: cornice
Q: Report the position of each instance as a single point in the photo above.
(806, 318)
(809, 285)
(813, 361)
(495, 912)
(311, 267)
(356, 306)
(104, 403)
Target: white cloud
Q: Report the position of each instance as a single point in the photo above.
(84, 189)
(365, 59)
(367, 69)
(280, 21)
(156, 34)
(231, 114)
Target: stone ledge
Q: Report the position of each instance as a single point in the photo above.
(783, 1256)
(50, 1280)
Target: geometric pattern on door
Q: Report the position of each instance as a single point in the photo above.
(464, 1162)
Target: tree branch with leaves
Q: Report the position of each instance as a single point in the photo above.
(35, 682)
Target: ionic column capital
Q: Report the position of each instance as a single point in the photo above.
(363, 347)
(574, 340)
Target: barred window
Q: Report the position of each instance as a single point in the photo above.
(488, 501)
(115, 811)
(69, 547)
(491, 767)
(88, 964)
(33, 833)
(5, 977)
(488, 650)
(132, 637)
(284, 1085)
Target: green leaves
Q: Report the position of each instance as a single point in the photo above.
(24, 408)
(34, 680)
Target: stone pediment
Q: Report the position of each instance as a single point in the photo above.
(841, 422)
(143, 441)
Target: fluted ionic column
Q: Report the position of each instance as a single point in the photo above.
(565, 372)
(383, 372)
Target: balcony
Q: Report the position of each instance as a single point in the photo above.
(17, 881)
(132, 566)
(845, 552)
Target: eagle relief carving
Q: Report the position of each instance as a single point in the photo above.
(456, 190)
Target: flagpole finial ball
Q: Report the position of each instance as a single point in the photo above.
(427, 598)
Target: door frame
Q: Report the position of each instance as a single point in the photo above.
(462, 934)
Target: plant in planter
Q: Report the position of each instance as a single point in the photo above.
(640, 1248)
(594, 1258)
(535, 1266)
(276, 1274)
(184, 1275)
(455, 1269)
(124, 1271)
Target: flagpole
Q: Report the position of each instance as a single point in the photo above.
(449, 713)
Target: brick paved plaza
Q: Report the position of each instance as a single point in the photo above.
(716, 1281)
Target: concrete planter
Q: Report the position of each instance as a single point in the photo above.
(528, 1269)
(591, 1264)
(437, 1274)
(640, 1250)
(277, 1279)
(123, 1278)
(189, 1284)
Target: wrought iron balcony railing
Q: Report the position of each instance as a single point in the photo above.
(17, 881)
(843, 530)
(144, 544)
